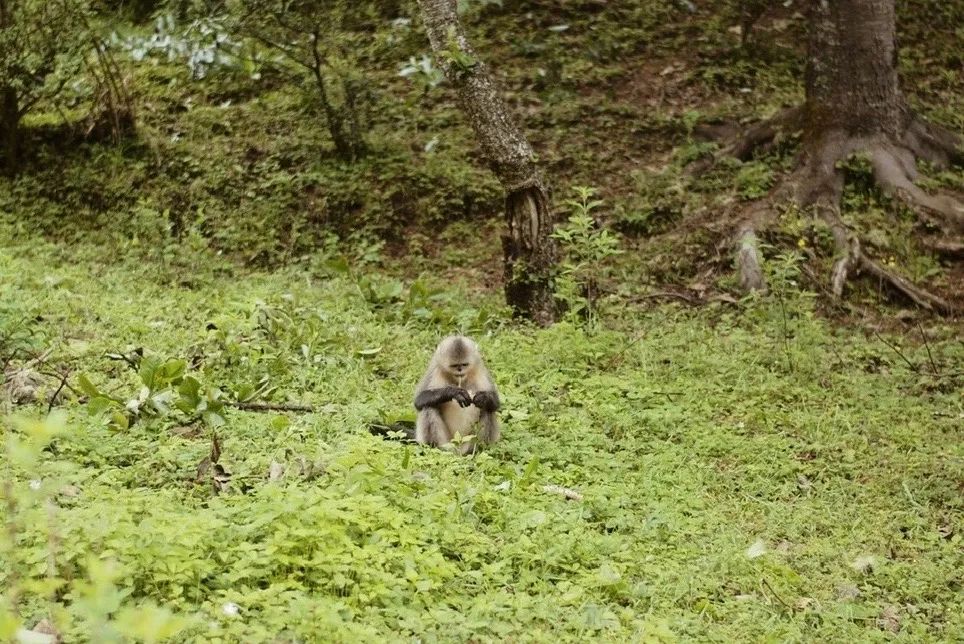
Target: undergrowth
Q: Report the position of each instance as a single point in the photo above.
(743, 472)
(186, 454)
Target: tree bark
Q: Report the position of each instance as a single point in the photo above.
(851, 76)
(530, 253)
(9, 130)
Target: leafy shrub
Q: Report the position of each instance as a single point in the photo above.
(164, 387)
(42, 47)
(202, 44)
(586, 246)
(100, 608)
(658, 199)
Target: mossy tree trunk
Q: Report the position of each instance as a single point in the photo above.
(530, 252)
(854, 105)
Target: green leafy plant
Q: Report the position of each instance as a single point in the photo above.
(165, 387)
(19, 337)
(586, 246)
(754, 180)
(423, 72)
(454, 55)
(42, 46)
(202, 44)
(28, 492)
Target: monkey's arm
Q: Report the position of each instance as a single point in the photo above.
(487, 400)
(437, 397)
(488, 403)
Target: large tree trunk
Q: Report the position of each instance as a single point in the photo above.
(529, 250)
(853, 105)
(9, 131)
(851, 78)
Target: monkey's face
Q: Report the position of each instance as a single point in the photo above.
(457, 358)
(458, 367)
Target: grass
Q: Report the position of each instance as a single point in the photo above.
(748, 471)
(742, 477)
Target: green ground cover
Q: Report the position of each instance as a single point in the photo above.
(746, 472)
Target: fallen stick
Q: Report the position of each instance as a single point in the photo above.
(569, 493)
(260, 406)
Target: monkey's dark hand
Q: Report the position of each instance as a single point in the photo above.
(442, 395)
(486, 401)
(459, 395)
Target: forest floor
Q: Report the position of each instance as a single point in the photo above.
(620, 98)
(768, 468)
(745, 472)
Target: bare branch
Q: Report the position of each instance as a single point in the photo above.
(260, 406)
(919, 296)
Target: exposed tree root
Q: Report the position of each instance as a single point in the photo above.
(851, 259)
(945, 247)
(895, 172)
(924, 299)
(934, 143)
(817, 185)
(762, 134)
(759, 136)
(749, 259)
(848, 257)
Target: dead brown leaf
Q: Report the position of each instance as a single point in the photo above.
(847, 592)
(889, 619)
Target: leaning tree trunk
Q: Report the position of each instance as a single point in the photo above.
(9, 130)
(853, 105)
(529, 250)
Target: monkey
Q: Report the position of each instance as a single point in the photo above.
(456, 394)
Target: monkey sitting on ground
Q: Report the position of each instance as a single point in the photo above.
(456, 394)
